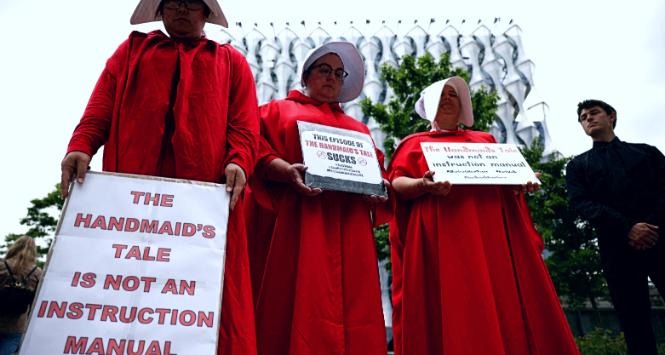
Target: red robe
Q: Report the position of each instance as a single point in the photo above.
(315, 262)
(468, 277)
(186, 110)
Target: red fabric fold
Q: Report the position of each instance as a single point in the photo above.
(313, 258)
(468, 277)
(215, 113)
(215, 122)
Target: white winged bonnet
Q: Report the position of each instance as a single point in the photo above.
(146, 11)
(428, 103)
(353, 64)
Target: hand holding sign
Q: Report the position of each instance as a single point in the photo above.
(235, 182)
(439, 188)
(75, 164)
(283, 171)
(529, 186)
(296, 172)
(377, 199)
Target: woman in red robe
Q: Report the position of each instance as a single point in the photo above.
(468, 277)
(313, 255)
(180, 106)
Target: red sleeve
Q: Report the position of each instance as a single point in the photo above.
(383, 212)
(407, 160)
(243, 123)
(93, 129)
(265, 193)
(268, 113)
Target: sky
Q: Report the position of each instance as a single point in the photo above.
(53, 52)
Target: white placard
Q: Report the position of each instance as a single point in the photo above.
(340, 159)
(137, 263)
(477, 163)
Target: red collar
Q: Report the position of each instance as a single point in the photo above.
(298, 96)
(443, 133)
(187, 42)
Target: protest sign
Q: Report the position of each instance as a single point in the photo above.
(136, 267)
(340, 159)
(477, 163)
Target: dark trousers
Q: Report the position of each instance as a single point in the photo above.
(626, 276)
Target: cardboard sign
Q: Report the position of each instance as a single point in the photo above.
(136, 266)
(340, 159)
(478, 163)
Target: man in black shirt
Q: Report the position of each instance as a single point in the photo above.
(619, 188)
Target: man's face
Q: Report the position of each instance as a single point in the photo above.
(184, 19)
(596, 122)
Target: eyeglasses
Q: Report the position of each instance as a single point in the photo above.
(192, 5)
(325, 70)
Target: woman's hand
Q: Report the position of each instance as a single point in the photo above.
(529, 186)
(411, 188)
(74, 165)
(439, 188)
(295, 173)
(376, 199)
(282, 171)
(235, 182)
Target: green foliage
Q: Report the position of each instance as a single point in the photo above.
(382, 244)
(573, 259)
(41, 219)
(602, 342)
(398, 118)
(606, 342)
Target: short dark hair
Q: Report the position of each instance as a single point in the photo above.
(206, 9)
(587, 104)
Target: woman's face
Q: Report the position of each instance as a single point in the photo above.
(324, 79)
(450, 107)
(184, 19)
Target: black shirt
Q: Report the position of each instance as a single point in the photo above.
(615, 185)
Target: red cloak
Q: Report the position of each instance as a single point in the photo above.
(468, 277)
(182, 109)
(315, 263)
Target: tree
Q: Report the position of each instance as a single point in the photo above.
(41, 220)
(572, 250)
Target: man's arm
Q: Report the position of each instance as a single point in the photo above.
(583, 202)
(639, 235)
(657, 160)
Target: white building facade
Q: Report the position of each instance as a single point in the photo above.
(491, 51)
